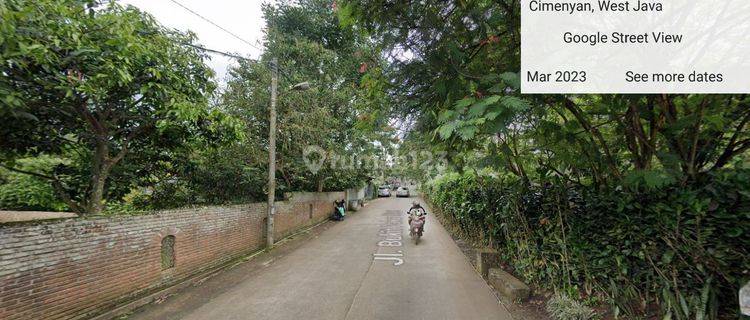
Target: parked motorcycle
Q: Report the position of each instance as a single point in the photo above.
(416, 224)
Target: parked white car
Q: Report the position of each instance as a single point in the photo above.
(384, 191)
(402, 192)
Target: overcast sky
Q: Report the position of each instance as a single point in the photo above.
(241, 17)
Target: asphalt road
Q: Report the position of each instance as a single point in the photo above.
(355, 269)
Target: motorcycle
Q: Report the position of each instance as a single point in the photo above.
(416, 224)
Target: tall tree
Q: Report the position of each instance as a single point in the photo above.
(312, 46)
(455, 74)
(102, 79)
(454, 70)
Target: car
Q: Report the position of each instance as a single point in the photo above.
(402, 192)
(384, 191)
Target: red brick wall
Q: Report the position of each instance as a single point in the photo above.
(77, 268)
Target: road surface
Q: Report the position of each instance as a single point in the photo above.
(355, 269)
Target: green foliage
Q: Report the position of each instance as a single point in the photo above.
(562, 307)
(103, 80)
(310, 45)
(638, 198)
(679, 248)
(648, 179)
(698, 305)
(460, 83)
(126, 102)
(471, 116)
(20, 191)
(214, 175)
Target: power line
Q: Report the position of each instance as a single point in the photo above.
(183, 43)
(226, 54)
(230, 55)
(216, 25)
(278, 67)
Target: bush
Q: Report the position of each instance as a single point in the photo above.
(562, 307)
(679, 250)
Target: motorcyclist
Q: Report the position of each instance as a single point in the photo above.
(416, 206)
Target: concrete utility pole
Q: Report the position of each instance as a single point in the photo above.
(272, 153)
(302, 86)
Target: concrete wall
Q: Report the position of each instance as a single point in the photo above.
(355, 197)
(15, 216)
(77, 268)
(371, 191)
(356, 193)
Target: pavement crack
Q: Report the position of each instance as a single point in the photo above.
(359, 288)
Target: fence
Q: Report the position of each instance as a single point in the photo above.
(78, 268)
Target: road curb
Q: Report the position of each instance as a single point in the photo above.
(484, 260)
(508, 285)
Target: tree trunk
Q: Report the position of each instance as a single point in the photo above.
(101, 168)
(98, 181)
(99, 172)
(320, 184)
(103, 161)
(595, 136)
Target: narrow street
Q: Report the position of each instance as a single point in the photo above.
(353, 270)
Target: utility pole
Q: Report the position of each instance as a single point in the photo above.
(272, 153)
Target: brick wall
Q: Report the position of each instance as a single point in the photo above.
(303, 209)
(77, 268)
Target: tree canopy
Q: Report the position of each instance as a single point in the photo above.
(617, 198)
(311, 46)
(96, 82)
(455, 71)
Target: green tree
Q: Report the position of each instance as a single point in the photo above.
(311, 46)
(103, 80)
(20, 191)
(644, 162)
(455, 73)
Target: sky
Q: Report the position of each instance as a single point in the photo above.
(241, 17)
